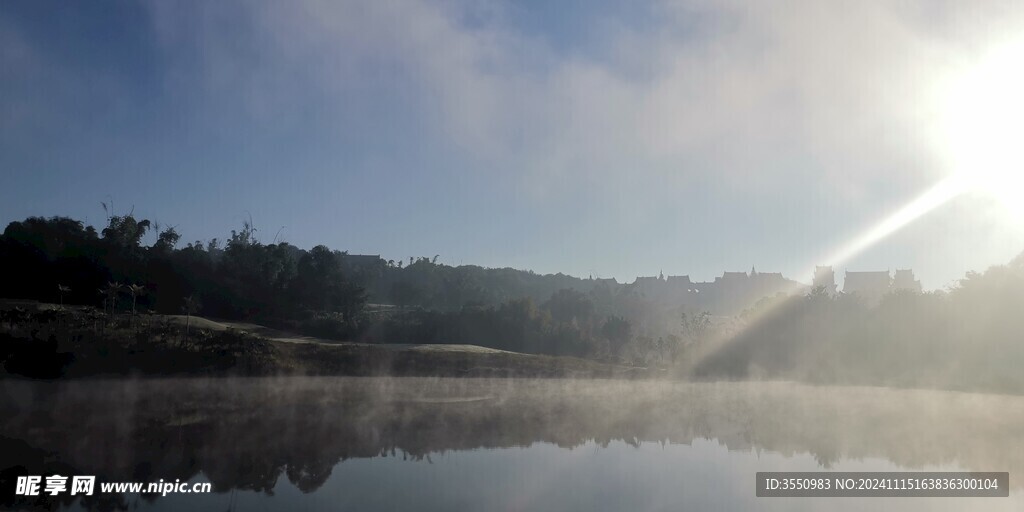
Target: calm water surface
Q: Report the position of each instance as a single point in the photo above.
(478, 444)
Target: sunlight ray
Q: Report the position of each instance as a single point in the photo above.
(931, 199)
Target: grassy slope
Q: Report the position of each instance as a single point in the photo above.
(233, 348)
(288, 337)
(308, 355)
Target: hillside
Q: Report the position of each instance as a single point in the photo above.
(42, 340)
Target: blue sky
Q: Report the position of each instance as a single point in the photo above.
(607, 138)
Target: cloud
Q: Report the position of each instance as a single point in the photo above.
(757, 93)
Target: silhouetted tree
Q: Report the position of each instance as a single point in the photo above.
(111, 292)
(61, 290)
(568, 305)
(167, 240)
(617, 331)
(405, 294)
(135, 290)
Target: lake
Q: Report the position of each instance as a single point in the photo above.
(420, 444)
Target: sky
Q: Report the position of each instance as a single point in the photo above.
(601, 138)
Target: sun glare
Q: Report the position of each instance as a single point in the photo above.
(982, 135)
(984, 126)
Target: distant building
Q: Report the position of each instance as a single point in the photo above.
(734, 292)
(873, 285)
(680, 283)
(737, 291)
(824, 277)
(647, 282)
(903, 279)
(731, 277)
(870, 286)
(730, 293)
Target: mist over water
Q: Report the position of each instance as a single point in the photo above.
(478, 444)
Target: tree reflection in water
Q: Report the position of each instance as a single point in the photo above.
(245, 433)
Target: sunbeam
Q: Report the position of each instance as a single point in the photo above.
(934, 197)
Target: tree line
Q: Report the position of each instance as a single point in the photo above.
(58, 258)
(967, 336)
(328, 293)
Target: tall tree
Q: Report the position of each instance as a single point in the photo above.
(61, 290)
(135, 290)
(111, 292)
